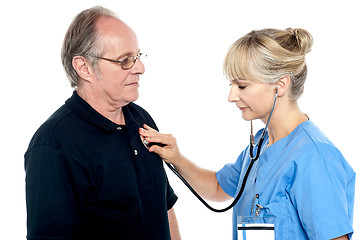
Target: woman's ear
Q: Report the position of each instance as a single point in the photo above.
(83, 68)
(282, 85)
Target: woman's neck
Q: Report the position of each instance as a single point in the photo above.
(284, 122)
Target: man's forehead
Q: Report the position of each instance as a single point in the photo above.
(116, 34)
(110, 24)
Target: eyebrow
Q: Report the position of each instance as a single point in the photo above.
(239, 81)
(242, 80)
(127, 54)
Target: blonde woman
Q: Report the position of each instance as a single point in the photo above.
(301, 187)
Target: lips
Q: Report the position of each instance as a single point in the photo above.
(136, 83)
(242, 108)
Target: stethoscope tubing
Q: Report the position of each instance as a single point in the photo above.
(249, 168)
(260, 141)
(203, 201)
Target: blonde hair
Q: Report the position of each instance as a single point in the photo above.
(269, 54)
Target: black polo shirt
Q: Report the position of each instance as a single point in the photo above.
(89, 178)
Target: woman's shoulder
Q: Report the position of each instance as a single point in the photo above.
(313, 139)
(317, 149)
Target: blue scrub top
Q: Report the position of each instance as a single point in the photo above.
(303, 183)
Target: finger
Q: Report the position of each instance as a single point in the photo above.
(155, 148)
(159, 140)
(153, 136)
(146, 133)
(161, 151)
(149, 128)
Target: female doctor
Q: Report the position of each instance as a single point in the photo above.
(301, 187)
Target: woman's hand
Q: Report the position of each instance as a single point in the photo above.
(165, 145)
(202, 180)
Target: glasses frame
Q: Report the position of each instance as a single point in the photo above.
(130, 58)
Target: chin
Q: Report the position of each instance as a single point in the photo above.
(247, 117)
(134, 98)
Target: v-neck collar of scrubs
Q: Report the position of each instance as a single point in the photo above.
(277, 147)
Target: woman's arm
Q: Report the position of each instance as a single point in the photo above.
(202, 180)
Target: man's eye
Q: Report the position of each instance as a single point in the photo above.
(125, 60)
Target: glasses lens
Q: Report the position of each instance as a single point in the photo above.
(128, 62)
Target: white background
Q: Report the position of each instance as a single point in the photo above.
(183, 87)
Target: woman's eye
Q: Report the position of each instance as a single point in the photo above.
(242, 87)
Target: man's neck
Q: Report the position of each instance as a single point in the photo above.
(113, 112)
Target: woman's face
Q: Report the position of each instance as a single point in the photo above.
(253, 98)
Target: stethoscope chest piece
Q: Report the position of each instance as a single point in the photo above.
(144, 141)
(147, 144)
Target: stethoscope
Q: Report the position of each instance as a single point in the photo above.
(253, 158)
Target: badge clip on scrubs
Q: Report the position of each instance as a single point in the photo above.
(252, 145)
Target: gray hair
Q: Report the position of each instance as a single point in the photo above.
(82, 39)
(270, 54)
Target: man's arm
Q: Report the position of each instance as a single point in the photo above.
(173, 225)
(55, 186)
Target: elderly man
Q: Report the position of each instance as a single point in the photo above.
(88, 176)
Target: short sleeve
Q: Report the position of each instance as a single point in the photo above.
(52, 206)
(228, 176)
(171, 197)
(323, 195)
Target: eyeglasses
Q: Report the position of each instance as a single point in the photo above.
(127, 63)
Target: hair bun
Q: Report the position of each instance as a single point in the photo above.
(303, 37)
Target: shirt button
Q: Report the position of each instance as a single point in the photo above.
(119, 128)
(135, 152)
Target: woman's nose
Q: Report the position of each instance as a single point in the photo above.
(233, 97)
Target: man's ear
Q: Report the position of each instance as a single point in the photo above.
(282, 85)
(82, 67)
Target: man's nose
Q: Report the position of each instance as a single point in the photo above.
(138, 67)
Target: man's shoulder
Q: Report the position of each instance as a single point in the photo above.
(140, 115)
(54, 124)
(138, 111)
(133, 107)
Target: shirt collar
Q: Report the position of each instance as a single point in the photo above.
(84, 110)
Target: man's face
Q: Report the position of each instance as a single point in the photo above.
(115, 86)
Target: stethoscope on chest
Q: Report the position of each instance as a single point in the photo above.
(253, 159)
